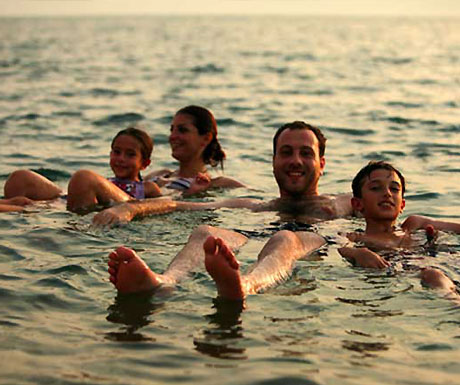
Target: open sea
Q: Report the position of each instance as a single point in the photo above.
(380, 88)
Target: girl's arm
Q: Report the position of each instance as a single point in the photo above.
(127, 211)
(415, 222)
(363, 257)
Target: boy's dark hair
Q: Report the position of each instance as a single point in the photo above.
(366, 171)
(299, 125)
(141, 136)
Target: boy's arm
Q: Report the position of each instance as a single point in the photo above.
(415, 222)
(363, 257)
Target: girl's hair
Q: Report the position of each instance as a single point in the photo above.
(205, 122)
(141, 136)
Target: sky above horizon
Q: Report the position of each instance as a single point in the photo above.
(296, 7)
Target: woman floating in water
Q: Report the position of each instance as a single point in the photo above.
(194, 144)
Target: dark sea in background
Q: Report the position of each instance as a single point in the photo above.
(380, 88)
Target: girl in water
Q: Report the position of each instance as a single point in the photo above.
(130, 154)
(194, 144)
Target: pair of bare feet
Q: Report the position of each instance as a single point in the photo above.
(129, 273)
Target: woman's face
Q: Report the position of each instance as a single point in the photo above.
(186, 143)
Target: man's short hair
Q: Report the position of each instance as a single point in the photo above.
(358, 180)
(299, 125)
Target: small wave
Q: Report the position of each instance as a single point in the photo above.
(55, 283)
(9, 63)
(422, 196)
(72, 269)
(103, 92)
(129, 117)
(350, 131)
(51, 174)
(208, 68)
(301, 56)
(392, 60)
(408, 121)
(70, 114)
(384, 155)
(10, 254)
(452, 128)
(404, 104)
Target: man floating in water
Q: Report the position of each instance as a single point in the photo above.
(298, 163)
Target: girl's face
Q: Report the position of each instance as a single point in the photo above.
(126, 158)
(186, 143)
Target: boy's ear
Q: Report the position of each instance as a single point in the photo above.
(357, 204)
(145, 163)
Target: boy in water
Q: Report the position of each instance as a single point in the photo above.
(378, 193)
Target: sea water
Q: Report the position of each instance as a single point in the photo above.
(379, 88)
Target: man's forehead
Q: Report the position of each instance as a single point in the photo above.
(299, 137)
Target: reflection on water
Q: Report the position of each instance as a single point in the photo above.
(134, 312)
(224, 335)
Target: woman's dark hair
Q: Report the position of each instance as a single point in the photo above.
(141, 136)
(205, 122)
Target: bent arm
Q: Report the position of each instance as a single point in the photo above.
(225, 182)
(363, 257)
(415, 222)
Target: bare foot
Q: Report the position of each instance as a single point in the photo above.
(129, 273)
(223, 267)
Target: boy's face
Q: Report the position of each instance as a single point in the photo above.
(381, 196)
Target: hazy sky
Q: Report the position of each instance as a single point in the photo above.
(340, 7)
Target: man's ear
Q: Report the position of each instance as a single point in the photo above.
(322, 163)
(357, 204)
(145, 163)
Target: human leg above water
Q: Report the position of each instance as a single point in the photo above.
(129, 273)
(87, 189)
(274, 263)
(31, 185)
